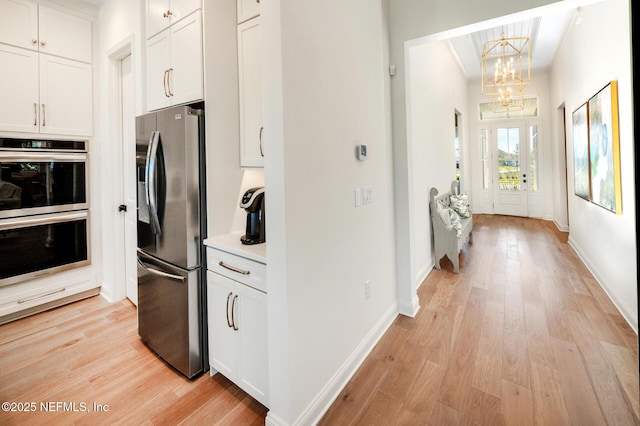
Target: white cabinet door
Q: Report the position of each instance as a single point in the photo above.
(185, 77)
(163, 13)
(222, 337)
(158, 14)
(19, 90)
(183, 8)
(65, 96)
(250, 92)
(64, 35)
(251, 321)
(248, 9)
(19, 23)
(158, 69)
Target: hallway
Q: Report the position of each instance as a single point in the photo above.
(523, 335)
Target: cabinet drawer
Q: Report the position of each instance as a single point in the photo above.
(246, 271)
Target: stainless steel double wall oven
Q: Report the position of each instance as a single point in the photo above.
(44, 207)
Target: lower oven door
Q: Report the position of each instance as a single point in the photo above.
(34, 246)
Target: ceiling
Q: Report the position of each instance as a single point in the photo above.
(545, 33)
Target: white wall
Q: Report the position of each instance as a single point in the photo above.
(592, 54)
(436, 88)
(226, 182)
(325, 84)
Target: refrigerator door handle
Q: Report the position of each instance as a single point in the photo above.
(162, 274)
(150, 182)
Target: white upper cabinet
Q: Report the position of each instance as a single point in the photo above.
(25, 24)
(175, 65)
(19, 23)
(247, 9)
(64, 35)
(163, 13)
(19, 104)
(65, 96)
(250, 93)
(46, 72)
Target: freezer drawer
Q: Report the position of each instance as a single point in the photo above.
(170, 317)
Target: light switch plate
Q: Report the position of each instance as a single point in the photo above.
(367, 195)
(357, 197)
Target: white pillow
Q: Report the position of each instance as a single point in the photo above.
(444, 215)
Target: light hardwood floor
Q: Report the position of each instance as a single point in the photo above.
(523, 335)
(89, 352)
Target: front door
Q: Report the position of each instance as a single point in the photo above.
(510, 170)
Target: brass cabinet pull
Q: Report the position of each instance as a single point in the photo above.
(164, 82)
(169, 80)
(43, 43)
(44, 117)
(34, 40)
(261, 150)
(233, 314)
(229, 297)
(35, 114)
(167, 14)
(233, 268)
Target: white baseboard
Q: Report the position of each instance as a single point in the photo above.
(561, 227)
(321, 403)
(627, 313)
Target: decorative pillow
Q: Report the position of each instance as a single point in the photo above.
(460, 204)
(446, 218)
(455, 221)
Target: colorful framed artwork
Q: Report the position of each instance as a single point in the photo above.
(581, 151)
(604, 149)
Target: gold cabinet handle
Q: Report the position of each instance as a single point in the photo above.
(34, 40)
(35, 114)
(44, 117)
(164, 82)
(43, 43)
(169, 80)
(167, 14)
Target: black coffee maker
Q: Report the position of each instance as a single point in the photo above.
(253, 203)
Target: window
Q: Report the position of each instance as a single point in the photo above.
(530, 111)
(486, 177)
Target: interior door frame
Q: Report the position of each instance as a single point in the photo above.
(117, 279)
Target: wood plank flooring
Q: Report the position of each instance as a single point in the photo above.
(89, 352)
(523, 335)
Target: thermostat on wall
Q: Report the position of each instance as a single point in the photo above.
(361, 152)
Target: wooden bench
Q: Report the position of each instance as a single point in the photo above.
(447, 240)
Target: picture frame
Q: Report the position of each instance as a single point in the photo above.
(581, 160)
(604, 149)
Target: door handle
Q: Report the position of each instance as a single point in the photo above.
(228, 298)
(233, 312)
(122, 208)
(164, 82)
(169, 71)
(150, 182)
(160, 273)
(261, 149)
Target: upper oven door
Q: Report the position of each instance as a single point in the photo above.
(35, 182)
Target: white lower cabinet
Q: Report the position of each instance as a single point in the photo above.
(237, 320)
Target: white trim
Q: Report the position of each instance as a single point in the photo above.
(117, 290)
(273, 420)
(561, 227)
(627, 312)
(323, 400)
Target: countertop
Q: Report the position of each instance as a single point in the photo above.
(231, 244)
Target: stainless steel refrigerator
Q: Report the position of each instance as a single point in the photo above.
(171, 227)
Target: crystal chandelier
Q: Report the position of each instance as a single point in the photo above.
(510, 60)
